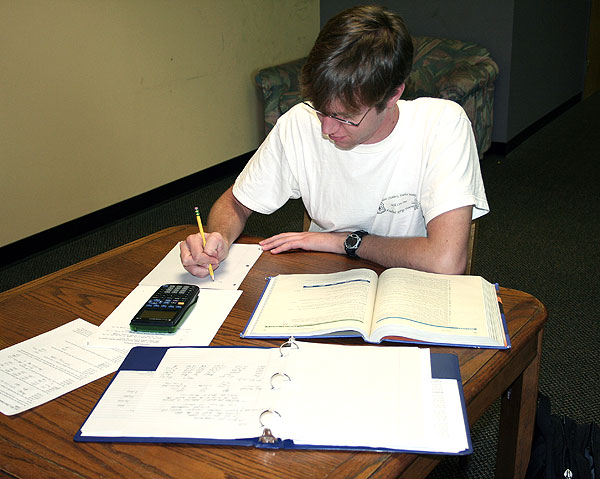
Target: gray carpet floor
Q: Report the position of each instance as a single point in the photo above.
(541, 237)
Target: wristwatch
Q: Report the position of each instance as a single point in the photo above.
(353, 241)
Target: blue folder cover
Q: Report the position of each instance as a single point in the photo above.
(147, 358)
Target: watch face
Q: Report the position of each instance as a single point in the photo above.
(352, 241)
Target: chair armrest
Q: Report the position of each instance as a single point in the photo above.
(449, 69)
(468, 77)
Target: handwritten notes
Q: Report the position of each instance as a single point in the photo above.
(45, 367)
(334, 395)
(211, 392)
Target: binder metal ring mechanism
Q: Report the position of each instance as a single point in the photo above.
(267, 436)
(277, 378)
(290, 343)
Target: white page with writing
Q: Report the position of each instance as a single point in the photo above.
(201, 324)
(49, 365)
(194, 393)
(229, 275)
(119, 404)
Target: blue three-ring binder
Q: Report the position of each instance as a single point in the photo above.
(443, 366)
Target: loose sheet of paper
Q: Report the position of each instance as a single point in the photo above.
(201, 323)
(49, 365)
(229, 274)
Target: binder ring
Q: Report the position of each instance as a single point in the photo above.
(290, 343)
(267, 436)
(266, 411)
(283, 375)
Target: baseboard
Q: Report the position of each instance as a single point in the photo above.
(31, 245)
(499, 148)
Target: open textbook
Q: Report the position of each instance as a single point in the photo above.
(399, 305)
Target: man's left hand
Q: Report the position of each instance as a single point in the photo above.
(305, 240)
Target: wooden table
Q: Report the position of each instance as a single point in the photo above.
(39, 442)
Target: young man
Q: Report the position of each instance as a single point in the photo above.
(392, 181)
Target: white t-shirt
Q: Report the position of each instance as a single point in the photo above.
(427, 166)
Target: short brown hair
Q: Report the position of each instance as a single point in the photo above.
(361, 56)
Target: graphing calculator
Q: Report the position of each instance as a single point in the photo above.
(166, 308)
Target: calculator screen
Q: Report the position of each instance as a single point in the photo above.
(153, 314)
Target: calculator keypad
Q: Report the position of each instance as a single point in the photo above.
(172, 296)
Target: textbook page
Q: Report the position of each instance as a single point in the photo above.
(437, 308)
(200, 325)
(49, 365)
(229, 275)
(297, 305)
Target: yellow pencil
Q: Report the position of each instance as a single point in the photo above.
(210, 270)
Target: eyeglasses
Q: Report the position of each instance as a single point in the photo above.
(341, 120)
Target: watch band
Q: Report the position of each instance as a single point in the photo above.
(353, 241)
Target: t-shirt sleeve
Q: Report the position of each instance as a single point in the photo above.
(266, 183)
(453, 176)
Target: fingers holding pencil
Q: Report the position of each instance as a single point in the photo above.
(199, 250)
(199, 220)
(195, 258)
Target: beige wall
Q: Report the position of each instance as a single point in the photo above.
(103, 100)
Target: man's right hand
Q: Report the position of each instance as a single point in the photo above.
(228, 216)
(195, 257)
